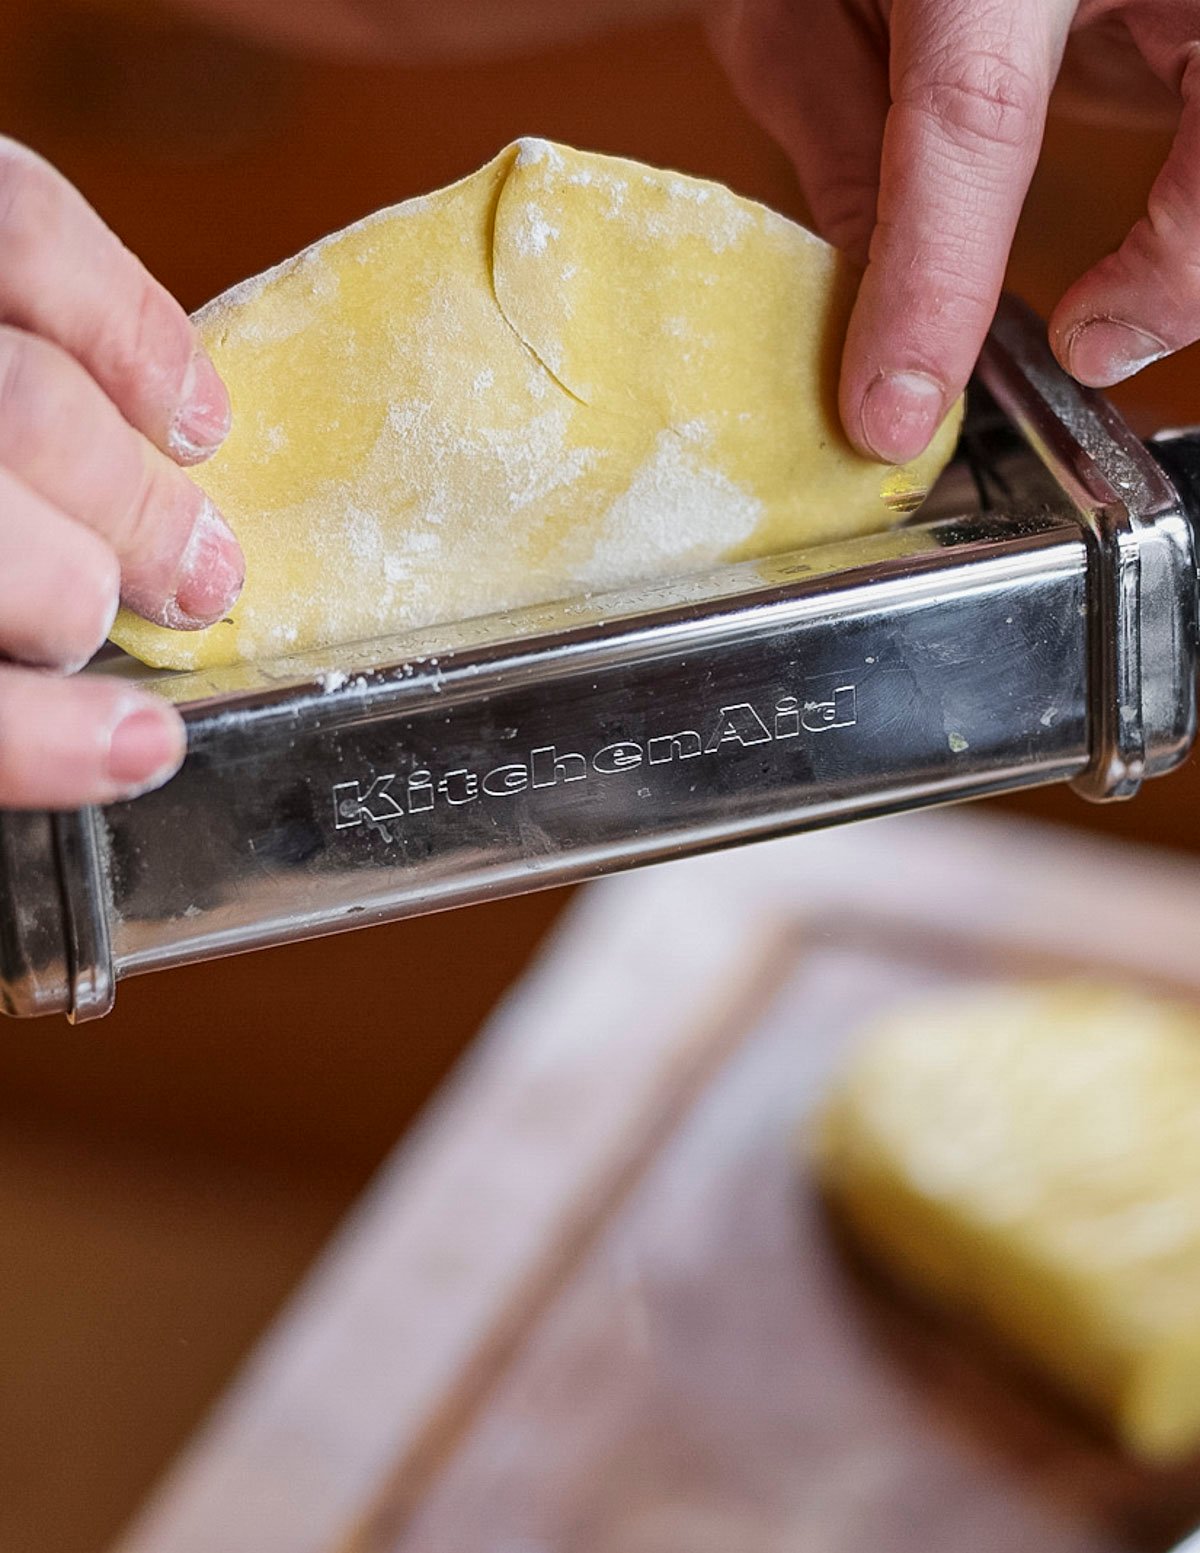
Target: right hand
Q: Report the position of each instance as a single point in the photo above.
(104, 394)
(915, 127)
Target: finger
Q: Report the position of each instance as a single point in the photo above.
(59, 583)
(1105, 81)
(1143, 302)
(818, 82)
(180, 565)
(970, 88)
(64, 275)
(69, 742)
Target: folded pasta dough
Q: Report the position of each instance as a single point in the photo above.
(563, 374)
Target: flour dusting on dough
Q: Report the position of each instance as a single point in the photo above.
(531, 150)
(542, 381)
(686, 206)
(535, 458)
(536, 233)
(678, 513)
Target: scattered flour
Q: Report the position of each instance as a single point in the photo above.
(280, 314)
(536, 232)
(531, 150)
(535, 457)
(682, 207)
(687, 189)
(673, 494)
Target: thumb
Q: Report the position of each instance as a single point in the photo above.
(1143, 301)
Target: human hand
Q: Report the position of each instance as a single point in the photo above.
(103, 395)
(417, 32)
(915, 127)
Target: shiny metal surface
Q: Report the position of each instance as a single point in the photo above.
(1144, 598)
(35, 977)
(556, 756)
(79, 844)
(1038, 625)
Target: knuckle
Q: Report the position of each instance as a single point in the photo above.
(143, 518)
(1173, 267)
(939, 298)
(20, 401)
(978, 99)
(38, 406)
(157, 525)
(844, 205)
(932, 272)
(147, 336)
(1173, 213)
(140, 340)
(147, 324)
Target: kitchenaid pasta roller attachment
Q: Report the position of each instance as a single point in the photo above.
(1037, 624)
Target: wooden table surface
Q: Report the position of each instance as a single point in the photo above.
(592, 1305)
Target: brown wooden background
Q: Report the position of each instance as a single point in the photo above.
(165, 1176)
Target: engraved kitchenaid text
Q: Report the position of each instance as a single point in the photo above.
(388, 796)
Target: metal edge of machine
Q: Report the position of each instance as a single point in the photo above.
(56, 871)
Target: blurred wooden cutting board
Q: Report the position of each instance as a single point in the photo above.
(592, 1307)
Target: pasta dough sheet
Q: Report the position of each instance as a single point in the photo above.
(1031, 1155)
(564, 374)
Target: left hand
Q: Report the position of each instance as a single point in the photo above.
(915, 127)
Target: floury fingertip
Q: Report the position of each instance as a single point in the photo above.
(1102, 351)
(211, 573)
(204, 417)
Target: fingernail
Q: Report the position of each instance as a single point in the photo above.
(900, 414)
(146, 747)
(211, 573)
(1104, 351)
(204, 416)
